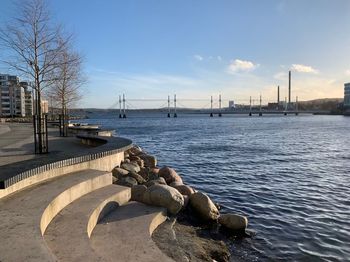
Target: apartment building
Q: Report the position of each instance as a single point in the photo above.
(15, 97)
(28, 98)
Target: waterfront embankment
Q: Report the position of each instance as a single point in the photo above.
(195, 218)
(289, 175)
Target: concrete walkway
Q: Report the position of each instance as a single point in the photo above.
(17, 149)
(16, 145)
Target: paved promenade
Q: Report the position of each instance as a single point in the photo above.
(17, 148)
(16, 143)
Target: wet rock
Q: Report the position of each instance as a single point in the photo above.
(186, 200)
(140, 163)
(157, 181)
(126, 155)
(131, 167)
(164, 196)
(184, 189)
(169, 175)
(138, 178)
(150, 161)
(144, 172)
(135, 150)
(203, 206)
(134, 158)
(137, 192)
(233, 221)
(153, 175)
(126, 160)
(155, 170)
(218, 206)
(176, 183)
(119, 172)
(127, 181)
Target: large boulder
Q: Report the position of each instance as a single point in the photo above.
(141, 163)
(138, 178)
(127, 181)
(176, 183)
(233, 221)
(131, 167)
(153, 176)
(169, 175)
(137, 192)
(184, 189)
(137, 160)
(203, 206)
(150, 161)
(144, 172)
(119, 172)
(164, 196)
(155, 170)
(135, 151)
(186, 200)
(157, 181)
(134, 158)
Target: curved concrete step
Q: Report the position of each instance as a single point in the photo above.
(69, 232)
(125, 234)
(25, 215)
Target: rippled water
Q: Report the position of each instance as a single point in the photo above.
(289, 175)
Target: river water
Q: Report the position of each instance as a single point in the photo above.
(290, 175)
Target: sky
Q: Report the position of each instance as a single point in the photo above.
(149, 49)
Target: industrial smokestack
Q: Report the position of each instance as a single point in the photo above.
(278, 95)
(289, 87)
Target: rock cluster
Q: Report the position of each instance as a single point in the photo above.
(164, 187)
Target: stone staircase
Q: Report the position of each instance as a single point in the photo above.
(80, 216)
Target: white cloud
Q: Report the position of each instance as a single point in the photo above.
(241, 66)
(281, 76)
(198, 57)
(304, 69)
(347, 72)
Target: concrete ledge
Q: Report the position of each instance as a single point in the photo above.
(104, 163)
(104, 158)
(92, 140)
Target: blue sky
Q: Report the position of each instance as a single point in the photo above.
(152, 49)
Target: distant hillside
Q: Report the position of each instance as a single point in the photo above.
(330, 104)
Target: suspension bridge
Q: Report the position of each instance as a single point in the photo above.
(251, 106)
(211, 106)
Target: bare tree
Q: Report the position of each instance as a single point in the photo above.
(68, 79)
(32, 44)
